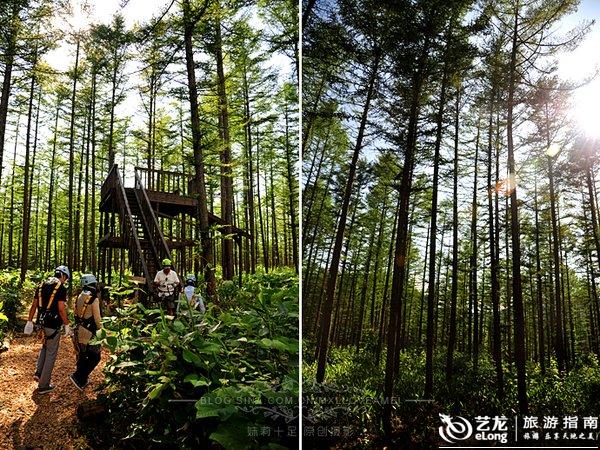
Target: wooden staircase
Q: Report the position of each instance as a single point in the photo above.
(138, 231)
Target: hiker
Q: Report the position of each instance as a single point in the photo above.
(168, 285)
(49, 301)
(194, 300)
(87, 322)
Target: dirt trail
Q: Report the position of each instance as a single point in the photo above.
(29, 420)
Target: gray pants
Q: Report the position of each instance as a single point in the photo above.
(47, 357)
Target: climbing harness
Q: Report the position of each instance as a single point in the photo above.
(88, 324)
(45, 318)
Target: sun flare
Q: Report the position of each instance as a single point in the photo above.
(586, 109)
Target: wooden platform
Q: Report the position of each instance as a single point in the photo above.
(118, 242)
(169, 205)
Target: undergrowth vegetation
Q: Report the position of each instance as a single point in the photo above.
(13, 297)
(228, 376)
(351, 396)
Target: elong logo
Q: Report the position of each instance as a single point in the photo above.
(457, 429)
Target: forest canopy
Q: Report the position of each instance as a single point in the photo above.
(88, 85)
(450, 223)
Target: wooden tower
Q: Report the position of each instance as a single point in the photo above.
(153, 220)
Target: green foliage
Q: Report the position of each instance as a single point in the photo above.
(13, 295)
(123, 290)
(214, 377)
(348, 398)
(352, 392)
(3, 320)
(576, 392)
(10, 293)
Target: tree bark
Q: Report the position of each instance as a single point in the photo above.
(27, 180)
(337, 249)
(401, 237)
(559, 341)
(206, 240)
(260, 215)
(473, 260)
(431, 285)
(225, 158)
(7, 79)
(291, 190)
(250, 163)
(539, 296)
(454, 293)
(70, 241)
(515, 232)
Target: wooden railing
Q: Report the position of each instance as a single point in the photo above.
(111, 181)
(159, 246)
(130, 237)
(164, 180)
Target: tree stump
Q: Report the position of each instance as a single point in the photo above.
(92, 411)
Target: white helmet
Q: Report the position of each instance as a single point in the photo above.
(88, 280)
(190, 278)
(65, 270)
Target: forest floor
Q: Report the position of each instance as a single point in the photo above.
(29, 420)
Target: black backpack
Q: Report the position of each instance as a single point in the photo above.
(46, 317)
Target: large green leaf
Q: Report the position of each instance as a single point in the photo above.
(157, 390)
(233, 436)
(196, 380)
(192, 358)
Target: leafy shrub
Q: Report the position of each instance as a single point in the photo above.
(15, 296)
(218, 377)
(10, 293)
(3, 321)
(350, 376)
(227, 292)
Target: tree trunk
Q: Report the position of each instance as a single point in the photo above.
(86, 199)
(49, 218)
(363, 293)
(7, 79)
(559, 341)
(515, 233)
(377, 258)
(308, 204)
(111, 146)
(593, 212)
(225, 158)
(337, 249)
(37, 250)
(93, 246)
(250, 162)
(473, 260)
(401, 238)
(539, 296)
(275, 259)
(423, 278)
(431, 285)
(11, 225)
(27, 180)
(70, 249)
(389, 269)
(292, 195)
(200, 186)
(260, 216)
(453, 295)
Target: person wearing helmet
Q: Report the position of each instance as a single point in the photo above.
(49, 302)
(167, 285)
(87, 322)
(194, 300)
